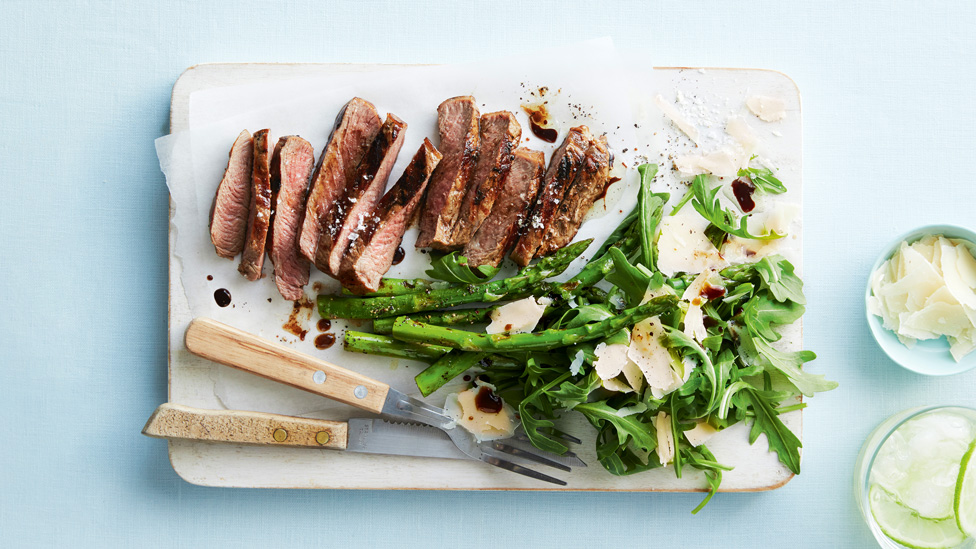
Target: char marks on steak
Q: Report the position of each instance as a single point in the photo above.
(355, 128)
(360, 196)
(498, 231)
(230, 209)
(590, 182)
(457, 124)
(291, 168)
(500, 134)
(370, 253)
(563, 166)
(259, 218)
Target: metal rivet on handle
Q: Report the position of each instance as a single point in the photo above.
(319, 377)
(322, 438)
(280, 435)
(360, 391)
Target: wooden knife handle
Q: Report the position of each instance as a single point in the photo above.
(221, 343)
(178, 421)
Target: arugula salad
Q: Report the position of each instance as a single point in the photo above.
(657, 364)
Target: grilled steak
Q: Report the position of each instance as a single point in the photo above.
(591, 181)
(228, 215)
(291, 167)
(457, 124)
(370, 253)
(360, 196)
(259, 218)
(355, 128)
(562, 169)
(500, 133)
(498, 231)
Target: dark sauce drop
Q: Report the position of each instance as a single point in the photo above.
(539, 122)
(324, 341)
(606, 187)
(209, 277)
(222, 297)
(712, 292)
(467, 378)
(709, 322)
(324, 324)
(548, 135)
(742, 189)
(398, 255)
(487, 401)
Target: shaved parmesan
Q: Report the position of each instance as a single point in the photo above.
(610, 360)
(665, 438)
(680, 121)
(683, 246)
(463, 409)
(653, 358)
(768, 109)
(742, 133)
(517, 317)
(927, 290)
(700, 433)
(723, 163)
(695, 323)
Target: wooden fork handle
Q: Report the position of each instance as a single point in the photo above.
(238, 349)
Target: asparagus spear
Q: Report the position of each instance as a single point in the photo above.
(410, 330)
(400, 286)
(373, 344)
(440, 318)
(447, 368)
(517, 286)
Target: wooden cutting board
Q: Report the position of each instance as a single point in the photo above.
(192, 380)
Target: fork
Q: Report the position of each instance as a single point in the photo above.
(238, 349)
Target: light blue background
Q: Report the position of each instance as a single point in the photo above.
(84, 89)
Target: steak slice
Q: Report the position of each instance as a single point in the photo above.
(252, 261)
(370, 253)
(228, 214)
(361, 194)
(498, 231)
(500, 134)
(291, 168)
(457, 124)
(591, 181)
(562, 169)
(355, 128)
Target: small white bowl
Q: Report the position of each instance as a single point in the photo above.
(929, 357)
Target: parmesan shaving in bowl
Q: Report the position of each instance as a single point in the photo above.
(927, 290)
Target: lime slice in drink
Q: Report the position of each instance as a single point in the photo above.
(919, 463)
(965, 502)
(904, 526)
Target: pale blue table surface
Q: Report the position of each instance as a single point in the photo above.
(889, 144)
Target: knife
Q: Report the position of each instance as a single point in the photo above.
(362, 435)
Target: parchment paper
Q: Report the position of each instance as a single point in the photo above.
(194, 161)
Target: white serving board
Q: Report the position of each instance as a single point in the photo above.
(196, 382)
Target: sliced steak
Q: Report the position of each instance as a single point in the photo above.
(360, 196)
(370, 253)
(457, 124)
(591, 181)
(291, 168)
(498, 231)
(259, 218)
(355, 128)
(500, 134)
(563, 165)
(228, 215)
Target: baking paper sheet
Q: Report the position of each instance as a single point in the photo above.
(194, 161)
